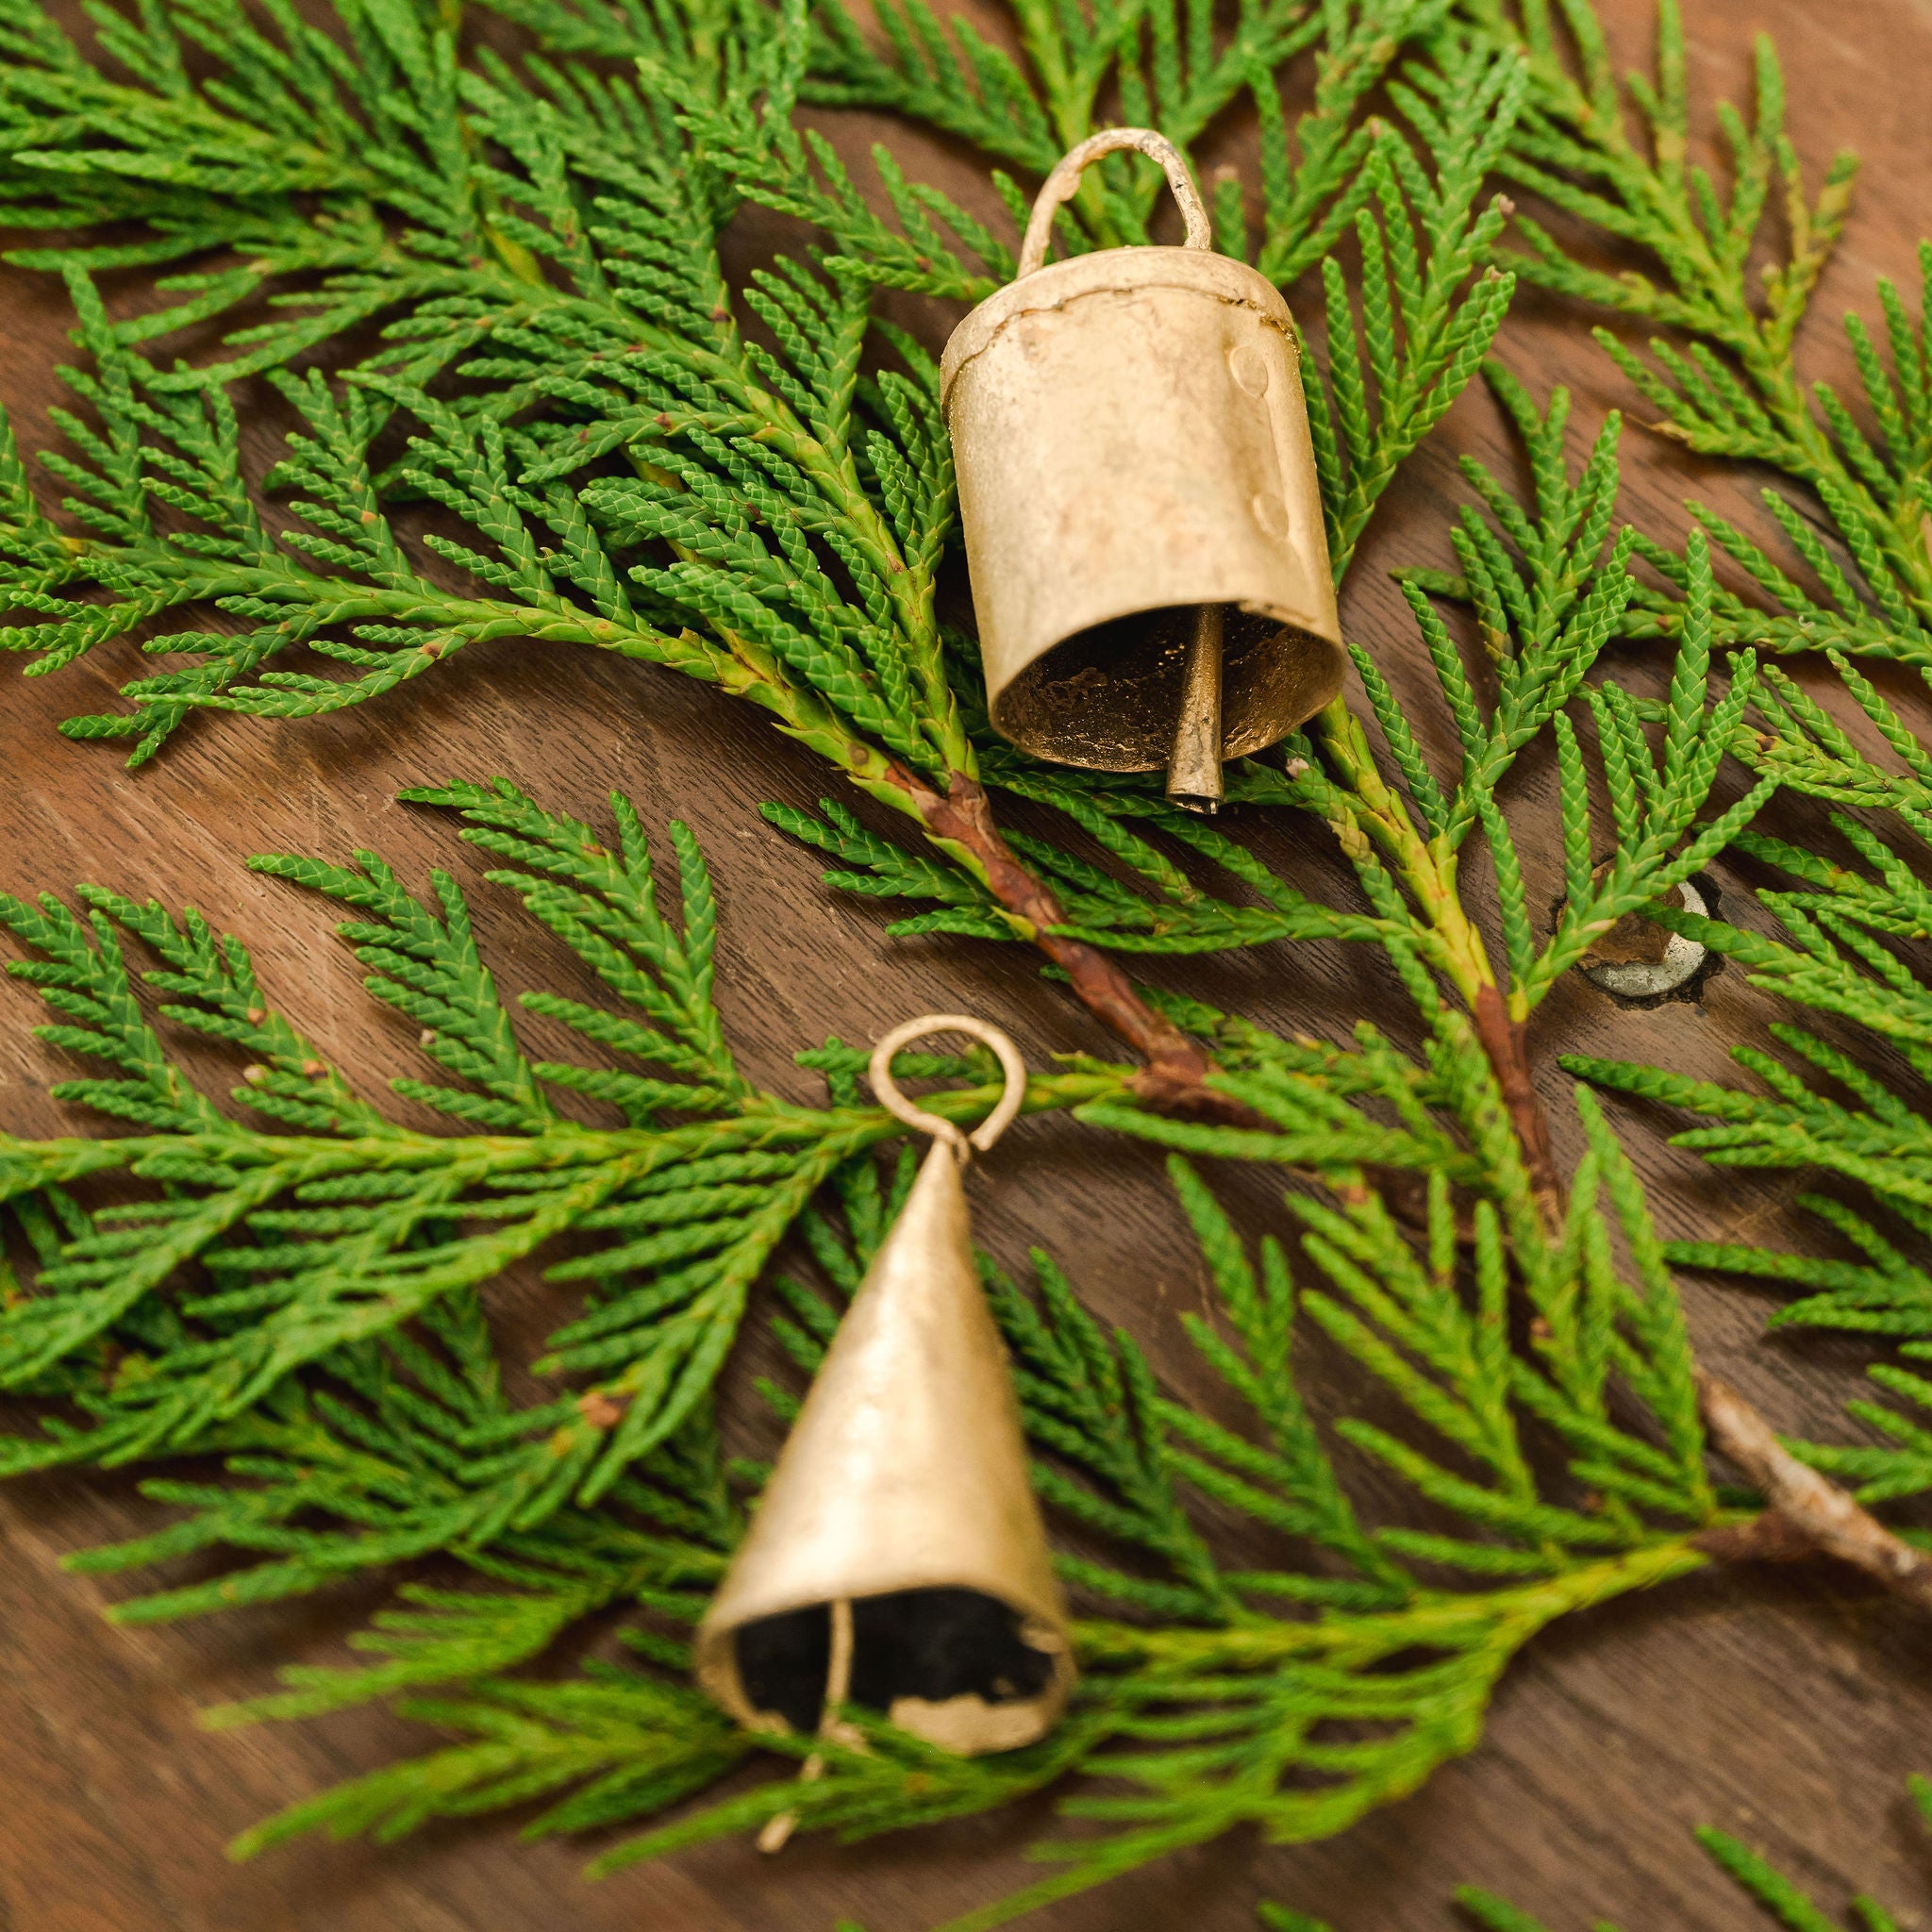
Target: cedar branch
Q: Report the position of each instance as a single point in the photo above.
(1808, 1514)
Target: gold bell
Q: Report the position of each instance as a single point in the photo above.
(897, 1559)
(1139, 500)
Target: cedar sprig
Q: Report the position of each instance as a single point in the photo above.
(1574, 147)
(395, 1442)
(1212, 1713)
(348, 1226)
(1728, 383)
(1406, 348)
(1825, 1110)
(778, 511)
(822, 660)
(298, 1295)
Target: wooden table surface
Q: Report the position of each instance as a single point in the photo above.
(1785, 1707)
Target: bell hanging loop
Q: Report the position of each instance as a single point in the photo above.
(1140, 501)
(964, 1145)
(1065, 183)
(897, 1559)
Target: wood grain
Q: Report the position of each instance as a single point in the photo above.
(1786, 1707)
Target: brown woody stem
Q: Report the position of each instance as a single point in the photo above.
(1177, 1066)
(1807, 1513)
(1505, 1043)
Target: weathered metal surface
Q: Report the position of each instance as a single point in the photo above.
(901, 1511)
(1132, 443)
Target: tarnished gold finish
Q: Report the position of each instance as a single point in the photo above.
(1132, 444)
(898, 1553)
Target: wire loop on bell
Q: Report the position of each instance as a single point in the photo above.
(1065, 183)
(896, 1104)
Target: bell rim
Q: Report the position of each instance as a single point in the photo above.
(714, 1661)
(1111, 270)
(725, 1614)
(1313, 638)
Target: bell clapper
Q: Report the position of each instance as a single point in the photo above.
(1193, 771)
(777, 1831)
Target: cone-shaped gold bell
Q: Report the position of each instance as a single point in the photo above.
(1140, 501)
(902, 1493)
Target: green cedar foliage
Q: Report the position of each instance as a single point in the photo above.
(1725, 381)
(1829, 1111)
(495, 299)
(785, 512)
(1211, 1688)
(561, 262)
(295, 1298)
(330, 1345)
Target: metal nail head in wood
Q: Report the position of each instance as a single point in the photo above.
(1139, 500)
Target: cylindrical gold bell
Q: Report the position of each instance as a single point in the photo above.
(1133, 452)
(897, 1559)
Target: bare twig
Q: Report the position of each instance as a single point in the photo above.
(1808, 1514)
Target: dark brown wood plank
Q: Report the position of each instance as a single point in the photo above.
(1787, 1709)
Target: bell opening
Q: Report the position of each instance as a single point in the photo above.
(928, 1645)
(1109, 697)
